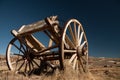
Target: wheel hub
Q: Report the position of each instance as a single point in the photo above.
(28, 56)
(80, 51)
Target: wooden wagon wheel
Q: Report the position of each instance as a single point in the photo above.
(74, 45)
(19, 57)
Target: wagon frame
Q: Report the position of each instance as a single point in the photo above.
(25, 52)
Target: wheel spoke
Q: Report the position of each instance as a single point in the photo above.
(21, 46)
(66, 45)
(69, 42)
(71, 59)
(77, 65)
(80, 61)
(71, 32)
(30, 66)
(70, 51)
(18, 48)
(18, 54)
(75, 33)
(83, 59)
(25, 66)
(74, 62)
(83, 44)
(21, 65)
(36, 63)
(78, 34)
(17, 61)
(13, 62)
(80, 39)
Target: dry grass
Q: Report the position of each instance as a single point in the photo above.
(96, 72)
(67, 74)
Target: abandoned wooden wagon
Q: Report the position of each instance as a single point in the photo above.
(26, 52)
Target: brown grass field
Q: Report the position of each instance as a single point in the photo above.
(99, 69)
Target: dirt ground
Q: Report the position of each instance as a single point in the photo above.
(99, 69)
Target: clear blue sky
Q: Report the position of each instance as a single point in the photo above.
(100, 19)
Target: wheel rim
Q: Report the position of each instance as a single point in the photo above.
(19, 57)
(75, 45)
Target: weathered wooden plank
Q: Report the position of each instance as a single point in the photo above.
(31, 28)
(39, 26)
(54, 35)
(50, 43)
(47, 49)
(34, 43)
(52, 53)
